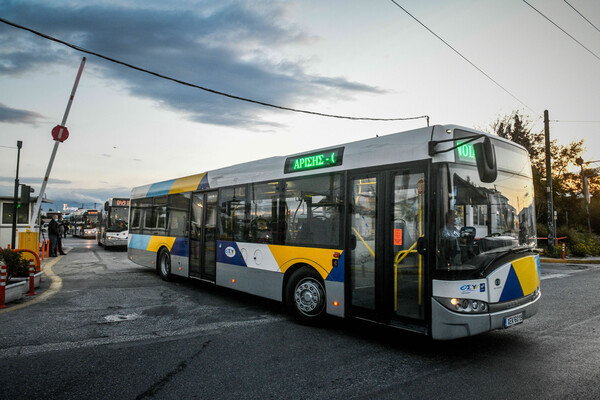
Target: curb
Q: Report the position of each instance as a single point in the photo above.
(568, 261)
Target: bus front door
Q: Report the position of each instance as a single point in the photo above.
(386, 220)
(203, 239)
(408, 225)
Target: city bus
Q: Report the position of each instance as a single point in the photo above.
(430, 230)
(84, 223)
(113, 221)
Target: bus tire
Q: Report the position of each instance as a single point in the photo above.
(164, 264)
(305, 296)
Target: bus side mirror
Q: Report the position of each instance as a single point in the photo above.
(485, 154)
(106, 206)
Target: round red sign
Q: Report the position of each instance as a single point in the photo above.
(58, 135)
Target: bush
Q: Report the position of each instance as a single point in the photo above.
(16, 265)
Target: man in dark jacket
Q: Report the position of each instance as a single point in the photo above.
(53, 235)
(61, 233)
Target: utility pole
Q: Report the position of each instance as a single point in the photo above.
(16, 198)
(551, 235)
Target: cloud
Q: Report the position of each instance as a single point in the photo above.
(28, 180)
(89, 198)
(16, 116)
(229, 46)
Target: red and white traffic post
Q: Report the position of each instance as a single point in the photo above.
(31, 279)
(3, 277)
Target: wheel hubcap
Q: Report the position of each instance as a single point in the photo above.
(308, 296)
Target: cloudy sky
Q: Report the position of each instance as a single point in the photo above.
(351, 58)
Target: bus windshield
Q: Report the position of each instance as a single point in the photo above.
(90, 221)
(479, 222)
(118, 219)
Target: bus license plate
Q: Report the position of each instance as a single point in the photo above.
(513, 320)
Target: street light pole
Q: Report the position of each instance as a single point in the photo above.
(16, 198)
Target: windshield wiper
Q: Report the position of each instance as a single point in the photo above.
(513, 250)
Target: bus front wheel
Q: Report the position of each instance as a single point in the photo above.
(305, 296)
(164, 264)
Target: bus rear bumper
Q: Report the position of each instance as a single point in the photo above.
(448, 325)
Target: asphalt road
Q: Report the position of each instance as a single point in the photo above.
(115, 330)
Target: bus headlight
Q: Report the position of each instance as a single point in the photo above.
(469, 306)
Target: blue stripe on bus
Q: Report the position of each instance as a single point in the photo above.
(512, 287)
(160, 188)
(139, 241)
(229, 253)
(181, 247)
(204, 183)
(337, 273)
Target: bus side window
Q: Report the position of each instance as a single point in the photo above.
(314, 205)
(262, 210)
(178, 207)
(232, 213)
(135, 220)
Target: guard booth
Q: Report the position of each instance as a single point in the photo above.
(22, 240)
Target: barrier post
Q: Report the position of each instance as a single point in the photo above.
(563, 251)
(2, 285)
(31, 280)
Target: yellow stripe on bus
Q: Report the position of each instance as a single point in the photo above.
(527, 273)
(186, 184)
(156, 242)
(320, 259)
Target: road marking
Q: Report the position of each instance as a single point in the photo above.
(54, 288)
(20, 351)
(552, 276)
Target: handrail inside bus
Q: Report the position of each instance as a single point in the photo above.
(403, 253)
(365, 243)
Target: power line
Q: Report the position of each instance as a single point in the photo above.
(582, 16)
(8, 147)
(231, 96)
(565, 32)
(463, 57)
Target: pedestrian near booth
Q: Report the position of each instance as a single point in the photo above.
(61, 233)
(53, 235)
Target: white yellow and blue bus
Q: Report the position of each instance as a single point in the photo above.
(430, 230)
(113, 222)
(84, 223)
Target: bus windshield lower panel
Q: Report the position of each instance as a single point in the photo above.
(477, 223)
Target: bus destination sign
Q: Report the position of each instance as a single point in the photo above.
(310, 161)
(120, 203)
(465, 152)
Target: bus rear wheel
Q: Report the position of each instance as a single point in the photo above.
(305, 296)
(164, 264)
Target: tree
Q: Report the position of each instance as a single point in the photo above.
(566, 184)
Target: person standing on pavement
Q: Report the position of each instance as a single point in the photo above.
(53, 235)
(61, 233)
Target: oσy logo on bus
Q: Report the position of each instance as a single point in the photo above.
(230, 252)
(468, 288)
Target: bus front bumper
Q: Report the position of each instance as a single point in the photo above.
(447, 324)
